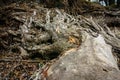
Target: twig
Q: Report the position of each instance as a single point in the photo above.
(28, 61)
(11, 70)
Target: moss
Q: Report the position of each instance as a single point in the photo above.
(54, 50)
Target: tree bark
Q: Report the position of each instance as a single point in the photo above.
(106, 2)
(118, 3)
(111, 2)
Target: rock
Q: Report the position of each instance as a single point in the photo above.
(93, 60)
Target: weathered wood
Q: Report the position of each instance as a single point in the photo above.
(93, 60)
(52, 32)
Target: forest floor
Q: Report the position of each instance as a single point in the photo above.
(15, 64)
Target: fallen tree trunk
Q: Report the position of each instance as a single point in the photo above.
(93, 60)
